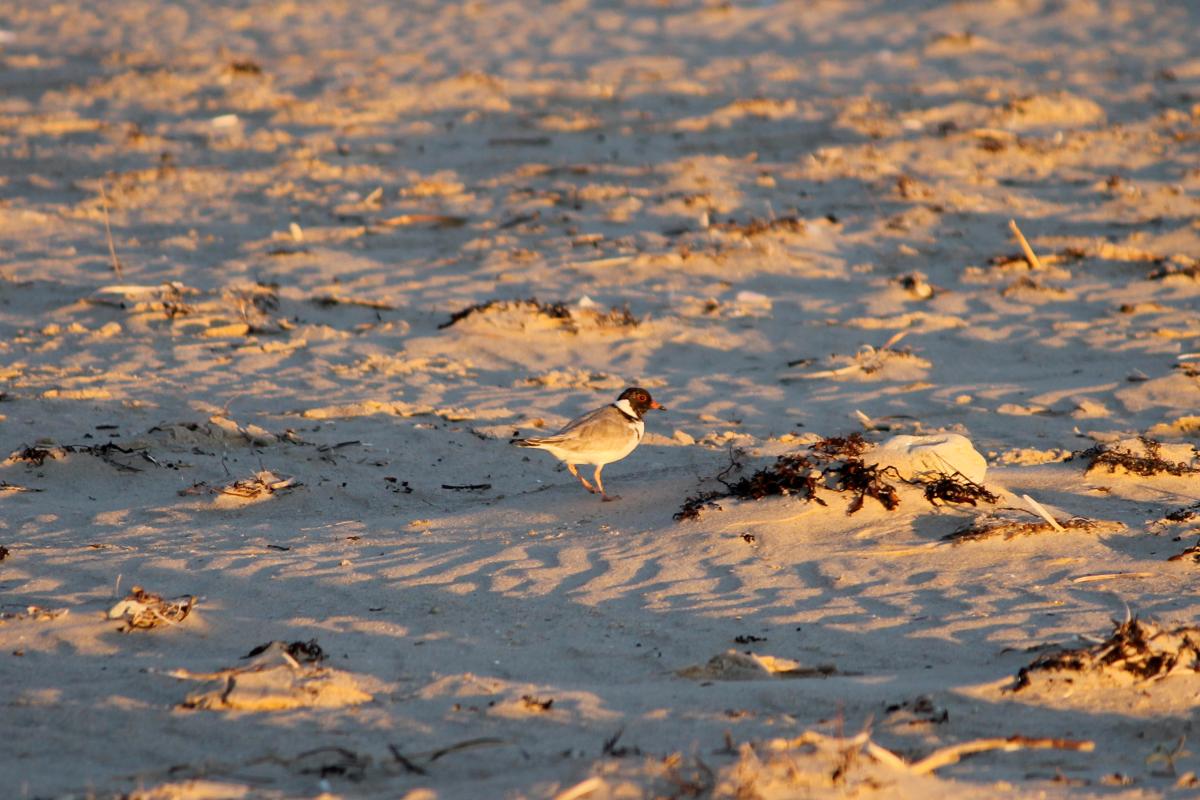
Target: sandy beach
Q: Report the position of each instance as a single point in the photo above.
(281, 281)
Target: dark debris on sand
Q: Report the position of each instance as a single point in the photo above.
(304, 652)
(957, 488)
(697, 503)
(1191, 271)
(756, 226)
(1185, 514)
(106, 452)
(1192, 553)
(33, 455)
(833, 464)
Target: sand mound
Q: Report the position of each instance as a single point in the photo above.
(276, 680)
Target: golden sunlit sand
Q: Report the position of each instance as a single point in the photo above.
(280, 282)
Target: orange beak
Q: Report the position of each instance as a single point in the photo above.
(656, 404)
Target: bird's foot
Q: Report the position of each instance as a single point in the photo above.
(608, 498)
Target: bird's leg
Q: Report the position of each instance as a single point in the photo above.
(603, 494)
(582, 479)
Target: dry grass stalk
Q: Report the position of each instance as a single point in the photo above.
(112, 249)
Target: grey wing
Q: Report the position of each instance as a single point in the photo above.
(604, 428)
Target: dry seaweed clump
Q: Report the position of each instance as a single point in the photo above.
(1185, 514)
(1189, 517)
(1005, 525)
(790, 474)
(572, 317)
(957, 488)
(833, 464)
(1125, 457)
(1135, 651)
(851, 446)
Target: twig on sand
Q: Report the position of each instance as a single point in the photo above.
(112, 250)
(406, 762)
(482, 741)
(1034, 262)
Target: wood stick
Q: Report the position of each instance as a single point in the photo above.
(1030, 256)
(885, 756)
(112, 250)
(1042, 512)
(1107, 575)
(896, 337)
(942, 757)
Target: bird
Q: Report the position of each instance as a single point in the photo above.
(599, 437)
